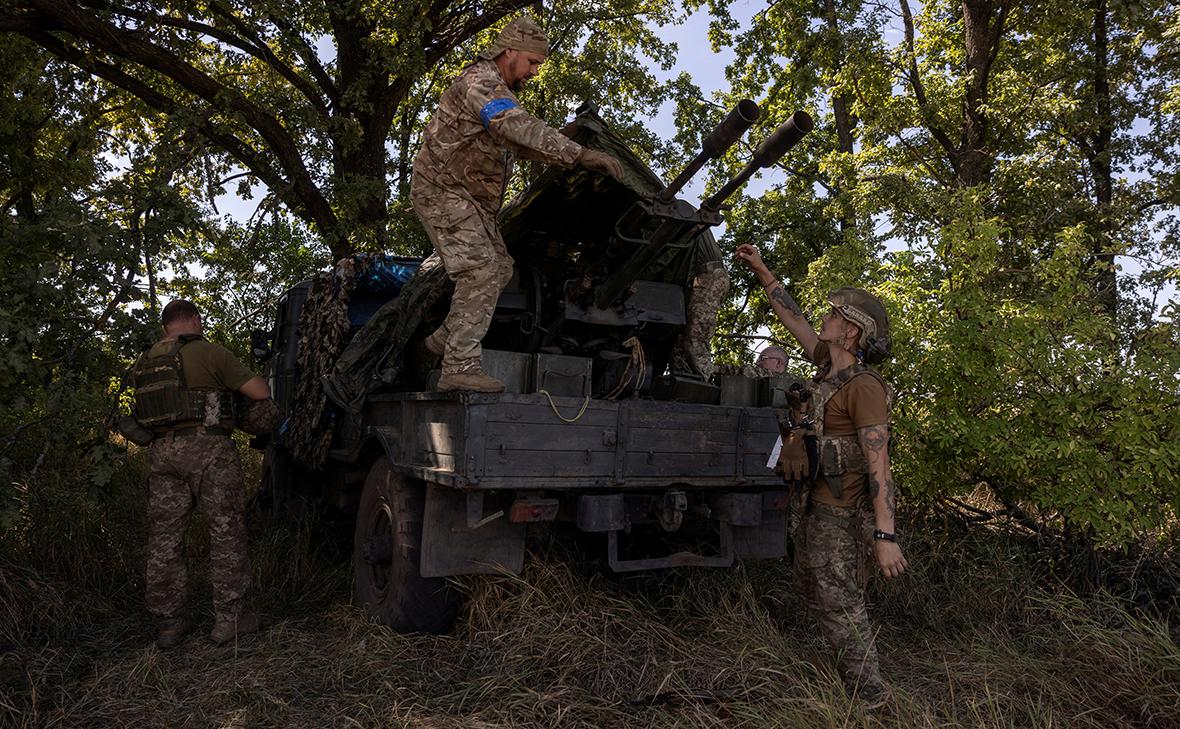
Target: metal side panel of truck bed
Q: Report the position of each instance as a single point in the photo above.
(521, 442)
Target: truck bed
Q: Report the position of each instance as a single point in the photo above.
(480, 441)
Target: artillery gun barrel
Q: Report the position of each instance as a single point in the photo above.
(769, 152)
(731, 129)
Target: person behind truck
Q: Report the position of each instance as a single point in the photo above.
(849, 497)
(770, 362)
(458, 184)
(183, 395)
(772, 359)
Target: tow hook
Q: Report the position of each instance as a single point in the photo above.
(671, 510)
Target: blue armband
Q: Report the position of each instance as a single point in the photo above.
(493, 108)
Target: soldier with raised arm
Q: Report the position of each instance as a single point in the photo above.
(459, 177)
(846, 510)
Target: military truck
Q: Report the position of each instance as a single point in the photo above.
(592, 435)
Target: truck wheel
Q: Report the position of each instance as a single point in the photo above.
(385, 555)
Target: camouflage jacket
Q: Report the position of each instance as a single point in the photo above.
(479, 126)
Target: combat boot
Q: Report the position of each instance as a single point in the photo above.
(473, 381)
(874, 696)
(226, 630)
(171, 632)
(437, 342)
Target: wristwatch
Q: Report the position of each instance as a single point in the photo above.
(887, 536)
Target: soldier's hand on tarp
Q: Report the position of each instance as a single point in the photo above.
(792, 459)
(601, 162)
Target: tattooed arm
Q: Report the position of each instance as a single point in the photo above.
(874, 441)
(788, 311)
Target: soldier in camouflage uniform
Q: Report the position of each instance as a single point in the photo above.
(710, 284)
(183, 388)
(846, 508)
(459, 177)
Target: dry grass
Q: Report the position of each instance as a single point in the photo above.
(979, 635)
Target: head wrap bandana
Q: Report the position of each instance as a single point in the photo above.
(522, 34)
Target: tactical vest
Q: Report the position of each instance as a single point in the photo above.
(837, 455)
(163, 400)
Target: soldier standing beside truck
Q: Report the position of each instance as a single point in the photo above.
(184, 389)
(458, 186)
(849, 500)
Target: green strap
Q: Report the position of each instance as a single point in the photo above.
(564, 419)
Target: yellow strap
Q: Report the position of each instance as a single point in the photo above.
(553, 405)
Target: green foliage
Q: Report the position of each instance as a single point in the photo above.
(1032, 394)
(1016, 365)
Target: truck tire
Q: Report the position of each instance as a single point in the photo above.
(386, 550)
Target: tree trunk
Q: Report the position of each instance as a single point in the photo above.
(982, 34)
(1099, 158)
(841, 103)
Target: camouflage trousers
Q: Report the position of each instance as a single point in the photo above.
(832, 560)
(476, 260)
(692, 355)
(184, 471)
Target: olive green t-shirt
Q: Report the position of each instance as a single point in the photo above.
(859, 404)
(207, 366)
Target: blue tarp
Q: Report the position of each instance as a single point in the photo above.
(381, 282)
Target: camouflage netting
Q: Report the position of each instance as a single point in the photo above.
(373, 357)
(323, 327)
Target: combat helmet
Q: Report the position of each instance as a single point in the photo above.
(868, 314)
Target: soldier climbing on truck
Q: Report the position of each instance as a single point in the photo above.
(459, 178)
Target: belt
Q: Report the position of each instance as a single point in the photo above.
(197, 430)
(841, 516)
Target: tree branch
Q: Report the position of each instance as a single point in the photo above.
(308, 55)
(915, 79)
(249, 157)
(254, 47)
(132, 47)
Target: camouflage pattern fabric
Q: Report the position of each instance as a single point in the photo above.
(257, 417)
(457, 189)
(185, 471)
(323, 329)
(693, 354)
(469, 143)
(471, 250)
(376, 354)
(832, 559)
(522, 34)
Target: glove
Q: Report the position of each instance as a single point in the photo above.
(600, 162)
(792, 459)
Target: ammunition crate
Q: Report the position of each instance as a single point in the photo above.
(772, 391)
(561, 376)
(686, 389)
(511, 368)
(740, 391)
